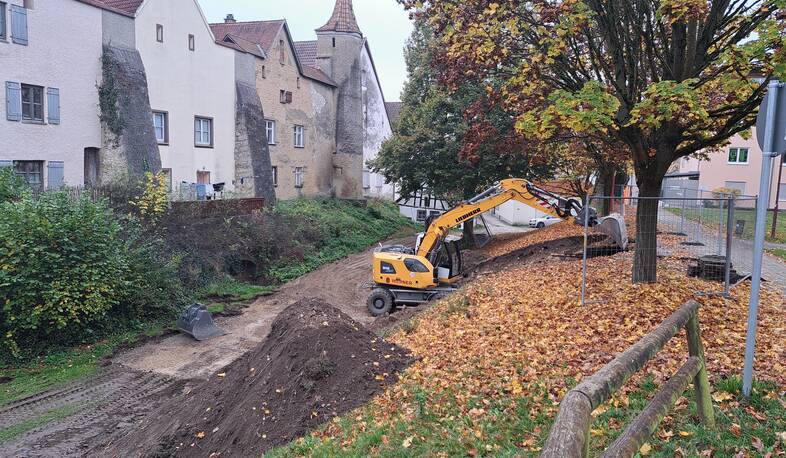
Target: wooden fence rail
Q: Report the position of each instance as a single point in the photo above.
(569, 436)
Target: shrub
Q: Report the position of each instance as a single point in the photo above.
(61, 269)
(12, 187)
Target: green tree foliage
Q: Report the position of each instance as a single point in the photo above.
(665, 78)
(12, 187)
(426, 149)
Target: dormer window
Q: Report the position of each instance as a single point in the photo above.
(159, 33)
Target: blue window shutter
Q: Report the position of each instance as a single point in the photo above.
(6, 164)
(18, 25)
(53, 104)
(13, 101)
(55, 175)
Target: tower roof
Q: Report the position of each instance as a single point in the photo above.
(342, 20)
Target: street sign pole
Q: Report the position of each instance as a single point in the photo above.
(758, 242)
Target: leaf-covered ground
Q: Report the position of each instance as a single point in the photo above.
(497, 357)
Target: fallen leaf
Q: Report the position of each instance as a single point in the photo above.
(645, 449)
(200, 435)
(407, 442)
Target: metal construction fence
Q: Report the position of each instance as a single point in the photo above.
(699, 234)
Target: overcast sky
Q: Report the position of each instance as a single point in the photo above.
(383, 22)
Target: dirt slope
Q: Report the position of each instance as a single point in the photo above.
(316, 364)
(343, 283)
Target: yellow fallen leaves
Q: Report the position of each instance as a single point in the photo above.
(509, 333)
(645, 449)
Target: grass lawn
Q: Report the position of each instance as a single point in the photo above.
(778, 252)
(518, 425)
(710, 217)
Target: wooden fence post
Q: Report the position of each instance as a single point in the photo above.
(701, 383)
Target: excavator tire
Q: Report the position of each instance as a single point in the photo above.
(380, 302)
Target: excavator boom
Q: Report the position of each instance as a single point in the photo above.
(405, 275)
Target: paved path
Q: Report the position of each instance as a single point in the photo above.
(773, 269)
(497, 226)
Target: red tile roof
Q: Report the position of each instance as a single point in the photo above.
(261, 32)
(307, 52)
(126, 7)
(342, 20)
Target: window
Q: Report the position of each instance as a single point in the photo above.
(421, 215)
(263, 72)
(298, 82)
(3, 33)
(203, 132)
(387, 268)
(299, 140)
(191, 43)
(282, 52)
(738, 185)
(427, 201)
(782, 194)
(203, 177)
(159, 33)
(161, 126)
(32, 172)
(413, 265)
(275, 176)
(366, 179)
(32, 103)
(285, 96)
(434, 213)
(738, 155)
(298, 177)
(270, 131)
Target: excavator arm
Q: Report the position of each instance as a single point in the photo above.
(512, 189)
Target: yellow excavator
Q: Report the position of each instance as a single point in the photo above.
(405, 275)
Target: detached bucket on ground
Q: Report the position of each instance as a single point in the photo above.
(197, 322)
(614, 226)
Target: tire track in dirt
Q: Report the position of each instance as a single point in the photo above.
(115, 399)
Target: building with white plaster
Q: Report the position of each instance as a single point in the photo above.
(50, 119)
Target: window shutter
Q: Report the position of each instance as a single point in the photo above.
(18, 25)
(13, 101)
(6, 164)
(55, 174)
(53, 104)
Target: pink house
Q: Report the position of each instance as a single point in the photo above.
(738, 166)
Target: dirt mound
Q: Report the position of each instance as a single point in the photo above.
(317, 363)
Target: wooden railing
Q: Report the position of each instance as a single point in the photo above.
(569, 436)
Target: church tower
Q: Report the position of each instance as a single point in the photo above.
(339, 46)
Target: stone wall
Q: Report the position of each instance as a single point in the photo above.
(253, 175)
(135, 150)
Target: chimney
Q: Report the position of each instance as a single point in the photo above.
(230, 19)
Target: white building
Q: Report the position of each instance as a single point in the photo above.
(191, 82)
(50, 64)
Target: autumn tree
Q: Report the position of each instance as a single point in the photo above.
(667, 78)
(425, 150)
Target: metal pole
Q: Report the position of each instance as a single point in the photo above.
(682, 214)
(584, 255)
(729, 242)
(777, 199)
(720, 226)
(758, 241)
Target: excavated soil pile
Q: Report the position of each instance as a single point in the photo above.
(317, 363)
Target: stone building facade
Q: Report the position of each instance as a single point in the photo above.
(324, 107)
(154, 87)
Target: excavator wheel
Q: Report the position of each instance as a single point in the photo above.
(380, 302)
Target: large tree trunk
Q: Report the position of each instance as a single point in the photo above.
(468, 235)
(645, 261)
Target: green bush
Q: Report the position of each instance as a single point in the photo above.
(12, 187)
(71, 273)
(61, 268)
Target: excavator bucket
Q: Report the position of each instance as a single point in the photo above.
(197, 322)
(614, 226)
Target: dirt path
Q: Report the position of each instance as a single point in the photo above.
(342, 284)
